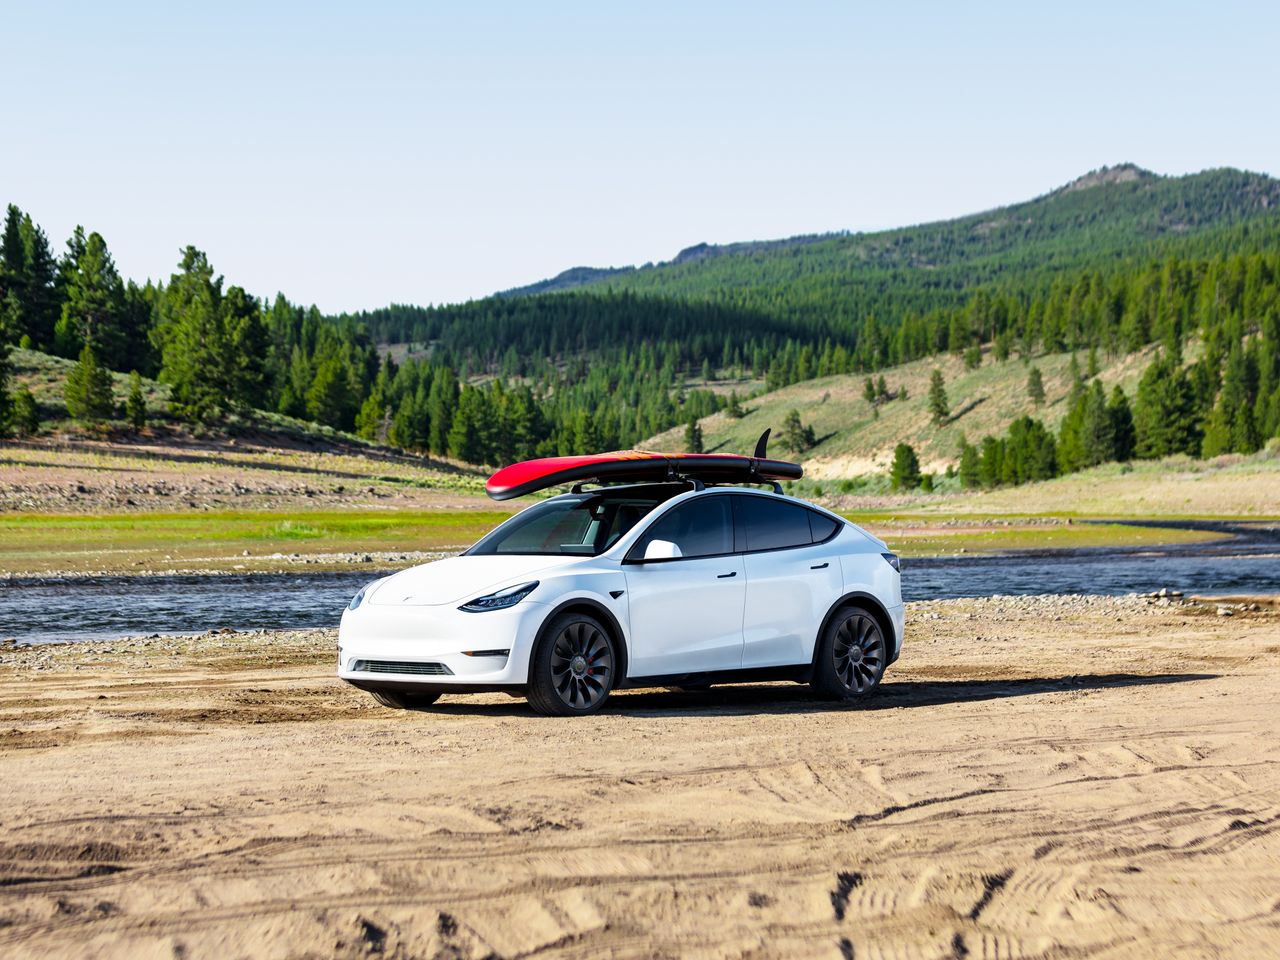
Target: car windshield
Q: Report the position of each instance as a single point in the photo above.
(582, 525)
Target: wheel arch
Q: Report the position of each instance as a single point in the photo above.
(593, 608)
(866, 601)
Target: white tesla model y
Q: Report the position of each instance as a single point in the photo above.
(679, 580)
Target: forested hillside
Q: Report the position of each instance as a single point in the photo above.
(1119, 263)
(1111, 219)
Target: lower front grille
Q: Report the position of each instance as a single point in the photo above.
(397, 666)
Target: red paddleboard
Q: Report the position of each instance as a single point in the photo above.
(530, 476)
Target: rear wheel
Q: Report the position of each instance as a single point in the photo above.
(572, 670)
(852, 655)
(403, 700)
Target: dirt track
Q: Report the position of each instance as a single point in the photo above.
(1035, 778)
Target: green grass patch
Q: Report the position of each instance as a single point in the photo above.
(217, 539)
(294, 530)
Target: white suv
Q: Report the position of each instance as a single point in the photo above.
(650, 584)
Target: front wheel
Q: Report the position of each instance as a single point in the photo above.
(852, 655)
(572, 669)
(402, 700)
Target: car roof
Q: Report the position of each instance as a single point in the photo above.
(682, 490)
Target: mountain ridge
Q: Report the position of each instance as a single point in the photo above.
(1159, 206)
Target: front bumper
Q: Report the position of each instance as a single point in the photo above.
(384, 646)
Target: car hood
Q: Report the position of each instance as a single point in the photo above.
(457, 579)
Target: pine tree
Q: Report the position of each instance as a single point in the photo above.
(1097, 434)
(25, 418)
(796, 436)
(13, 269)
(135, 405)
(40, 295)
(466, 433)
(7, 401)
(88, 388)
(1121, 424)
(1164, 416)
(93, 311)
(371, 421)
(734, 409)
(1244, 434)
(330, 400)
(973, 357)
(904, 474)
(991, 462)
(193, 340)
(244, 359)
(442, 400)
(214, 346)
(969, 477)
(869, 390)
(1035, 386)
(882, 388)
(938, 406)
(693, 436)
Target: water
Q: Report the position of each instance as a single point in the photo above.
(94, 608)
(939, 578)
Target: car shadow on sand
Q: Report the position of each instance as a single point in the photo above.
(748, 699)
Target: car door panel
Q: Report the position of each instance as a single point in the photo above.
(686, 615)
(788, 594)
(686, 609)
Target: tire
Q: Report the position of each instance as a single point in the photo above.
(404, 700)
(852, 656)
(573, 667)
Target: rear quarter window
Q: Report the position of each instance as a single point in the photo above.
(821, 527)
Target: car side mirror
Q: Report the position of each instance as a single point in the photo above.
(661, 550)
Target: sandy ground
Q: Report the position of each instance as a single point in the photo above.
(1044, 777)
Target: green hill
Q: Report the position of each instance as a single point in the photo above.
(853, 441)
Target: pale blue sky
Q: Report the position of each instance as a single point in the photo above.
(353, 154)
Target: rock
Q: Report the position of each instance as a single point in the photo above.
(1225, 611)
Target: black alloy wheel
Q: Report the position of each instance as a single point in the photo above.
(852, 657)
(573, 668)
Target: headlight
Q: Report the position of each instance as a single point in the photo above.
(507, 597)
(893, 561)
(359, 597)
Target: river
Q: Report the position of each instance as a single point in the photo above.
(42, 610)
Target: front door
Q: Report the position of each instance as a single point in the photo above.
(686, 608)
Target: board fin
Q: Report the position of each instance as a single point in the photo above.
(762, 444)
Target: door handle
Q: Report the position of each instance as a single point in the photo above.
(820, 566)
(726, 576)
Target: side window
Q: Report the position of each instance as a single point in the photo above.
(764, 523)
(700, 528)
(820, 525)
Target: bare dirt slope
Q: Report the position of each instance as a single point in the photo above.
(1036, 778)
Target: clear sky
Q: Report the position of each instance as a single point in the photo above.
(358, 153)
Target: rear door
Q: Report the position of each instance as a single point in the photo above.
(686, 612)
(791, 579)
